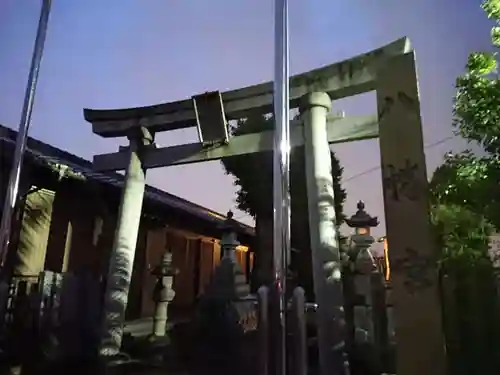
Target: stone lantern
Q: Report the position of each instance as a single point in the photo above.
(361, 240)
(225, 313)
(163, 293)
(363, 270)
(229, 278)
(229, 241)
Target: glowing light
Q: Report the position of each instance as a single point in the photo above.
(285, 148)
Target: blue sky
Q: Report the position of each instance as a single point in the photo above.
(110, 53)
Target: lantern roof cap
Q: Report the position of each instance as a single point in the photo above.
(166, 267)
(361, 219)
(229, 224)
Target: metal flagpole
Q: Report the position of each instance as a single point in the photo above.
(22, 135)
(281, 169)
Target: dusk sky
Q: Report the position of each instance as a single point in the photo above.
(123, 53)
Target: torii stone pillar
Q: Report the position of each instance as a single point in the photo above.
(327, 276)
(123, 252)
(417, 308)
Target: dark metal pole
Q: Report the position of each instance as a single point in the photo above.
(299, 332)
(22, 135)
(263, 330)
(281, 170)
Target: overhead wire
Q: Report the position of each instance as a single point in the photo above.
(375, 168)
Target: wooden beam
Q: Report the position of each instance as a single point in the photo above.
(347, 78)
(339, 130)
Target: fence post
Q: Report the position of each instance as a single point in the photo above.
(299, 333)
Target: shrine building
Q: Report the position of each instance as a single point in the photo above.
(66, 218)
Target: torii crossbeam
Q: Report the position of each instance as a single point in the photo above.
(340, 130)
(390, 71)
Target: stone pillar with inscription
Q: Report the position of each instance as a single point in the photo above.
(414, 277)
(124, 245)
(324, 239)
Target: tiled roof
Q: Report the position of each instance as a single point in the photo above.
(48, 156)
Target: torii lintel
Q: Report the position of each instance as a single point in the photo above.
(346, 78)
(339, 130)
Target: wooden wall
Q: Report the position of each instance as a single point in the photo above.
(81, 231)
(196, 258)
(78, 238)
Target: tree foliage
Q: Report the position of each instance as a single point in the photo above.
(477, 110)
(466, 211)
(462, 235)
(254, 174)
(469, 181)
(464, 190)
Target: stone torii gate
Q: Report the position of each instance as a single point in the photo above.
(390, 71)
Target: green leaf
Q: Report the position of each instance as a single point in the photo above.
(495, 36)
(492, 8)
(481, 63)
